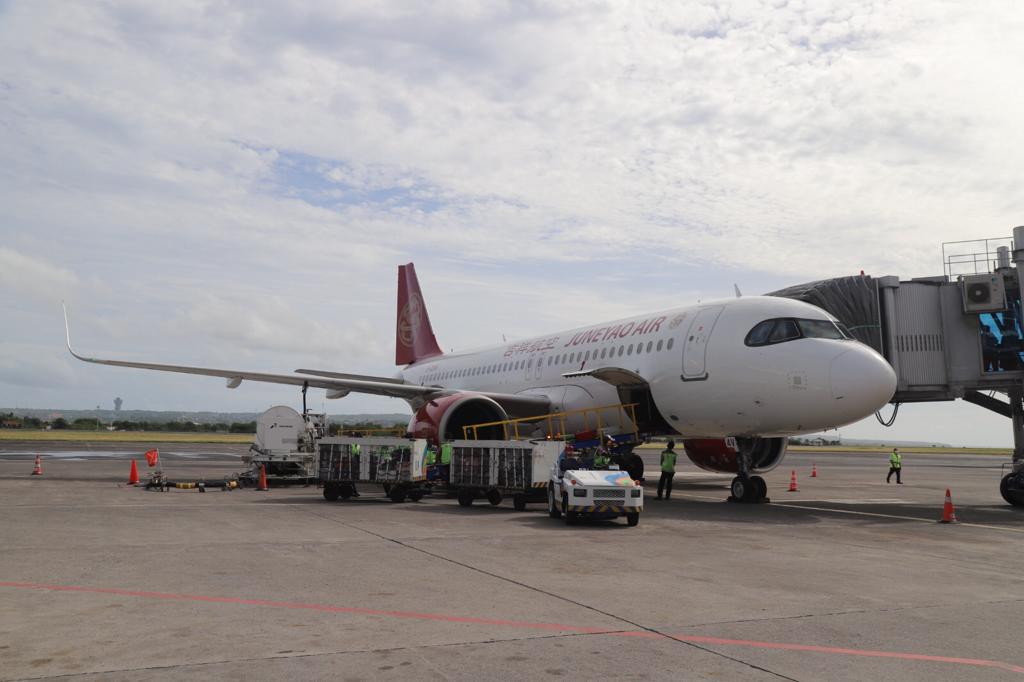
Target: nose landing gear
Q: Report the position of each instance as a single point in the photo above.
(746, 488)
(1012, 489)
(749, 489)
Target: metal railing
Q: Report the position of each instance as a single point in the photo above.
(972, 257)
(559, 417)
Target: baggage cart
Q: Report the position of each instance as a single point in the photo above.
(397, 464)
(494, 469)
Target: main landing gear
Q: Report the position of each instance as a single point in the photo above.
(746, 488)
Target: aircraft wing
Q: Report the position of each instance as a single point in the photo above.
(339, 383)
(382, 386)
(516, 404)
(616, 376)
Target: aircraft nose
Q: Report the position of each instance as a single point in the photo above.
(862, 381)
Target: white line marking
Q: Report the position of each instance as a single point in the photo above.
(876, 515)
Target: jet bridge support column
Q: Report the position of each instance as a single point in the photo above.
(1017, 416)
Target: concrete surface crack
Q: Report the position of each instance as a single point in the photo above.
(553, 595)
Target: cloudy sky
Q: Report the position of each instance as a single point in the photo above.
(233, 184)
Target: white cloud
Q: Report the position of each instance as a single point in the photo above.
(210, 176)
(36, 278)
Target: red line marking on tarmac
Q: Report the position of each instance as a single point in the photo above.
(694, 639)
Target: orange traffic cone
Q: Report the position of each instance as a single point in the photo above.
(133, 475)
(814, 470)
(263, 478)
(948, 515)
(792, 483)
(37, 470)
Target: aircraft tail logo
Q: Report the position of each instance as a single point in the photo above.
(414, 337)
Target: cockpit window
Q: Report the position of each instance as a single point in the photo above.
(758, 336)
(819, 329)
(787, 329)
(784, 330)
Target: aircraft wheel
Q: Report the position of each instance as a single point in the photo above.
(466, 497)
(416, 495)
(760, 487)
(1012, 489)
(743, 489)
(570, 516)
(494, 497)
(632, 518)
(519, 502)
(331, 493)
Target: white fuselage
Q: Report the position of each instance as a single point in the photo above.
(704, 379)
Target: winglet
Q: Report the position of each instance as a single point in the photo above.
(67, 330)
(737, 288)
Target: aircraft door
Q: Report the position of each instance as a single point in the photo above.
(695, 344)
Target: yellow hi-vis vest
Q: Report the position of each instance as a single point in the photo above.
(446, 453)
(895, 460)
(601, 460)
(668, 461)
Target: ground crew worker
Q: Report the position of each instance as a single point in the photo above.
(895, 465)
(602, 458)
(668, 469)
(353, 469)
(446, 462)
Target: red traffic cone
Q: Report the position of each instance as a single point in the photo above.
(37, 470)
(263, 478)
(814, 470)
(792, 483)
(133, 475)
(948, 514)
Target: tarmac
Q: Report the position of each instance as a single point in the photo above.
(847, 579)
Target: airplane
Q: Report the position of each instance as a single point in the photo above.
(733, 379)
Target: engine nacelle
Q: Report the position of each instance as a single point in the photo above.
(443, 418)
(712, 454)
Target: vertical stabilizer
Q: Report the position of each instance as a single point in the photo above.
(414, 337)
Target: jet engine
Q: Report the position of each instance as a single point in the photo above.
(443, 418)
(713, 454)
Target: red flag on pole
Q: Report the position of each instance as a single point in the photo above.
(152, 456)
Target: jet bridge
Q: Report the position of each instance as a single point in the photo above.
(955, 335)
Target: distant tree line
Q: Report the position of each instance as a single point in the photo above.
(94, 424)
(814, 441)
(9, 420)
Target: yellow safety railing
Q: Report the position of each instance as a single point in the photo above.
(397, 431)
(620, 411)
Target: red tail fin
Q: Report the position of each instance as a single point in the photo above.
(414, 337)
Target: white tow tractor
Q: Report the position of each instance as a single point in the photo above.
(597, 493)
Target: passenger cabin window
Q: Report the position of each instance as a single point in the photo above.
(670, 341)
(787, 329)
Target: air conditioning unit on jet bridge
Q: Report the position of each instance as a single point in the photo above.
(983, 293)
